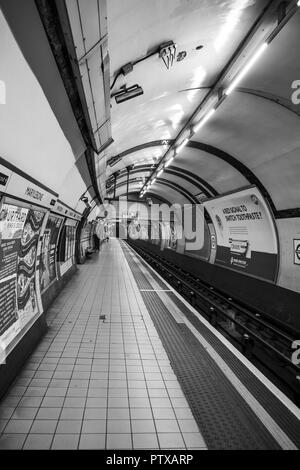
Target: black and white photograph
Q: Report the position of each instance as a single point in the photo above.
(150, 230)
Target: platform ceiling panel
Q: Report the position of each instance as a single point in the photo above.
(170, 96)
(48, 157)
(157, 114)
(218, 173)
(263, 136)
(144, 156)
(168, 194)
(88, 25)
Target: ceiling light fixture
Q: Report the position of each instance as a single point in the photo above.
(246, 69)
(128, 93)
(181, 146)
(204, 120)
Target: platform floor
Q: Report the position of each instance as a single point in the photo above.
(99, 383)
(128, 364)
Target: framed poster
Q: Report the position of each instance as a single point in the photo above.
(245, 233)
(48, 264)
(20, 227)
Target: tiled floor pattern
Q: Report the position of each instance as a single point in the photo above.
(97, 383)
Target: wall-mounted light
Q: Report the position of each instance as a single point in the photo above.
(128, 93)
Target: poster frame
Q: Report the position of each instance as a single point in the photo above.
(56, 248)
(239, 190)
(7, 199)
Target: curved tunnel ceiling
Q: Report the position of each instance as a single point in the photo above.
(253, 137)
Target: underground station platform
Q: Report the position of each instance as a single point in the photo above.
(127, 363)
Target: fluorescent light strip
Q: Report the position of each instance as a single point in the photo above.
(298, 4)
(204, 120)
(160, 173)
(171, 159)
(181, 146)
(250, 64)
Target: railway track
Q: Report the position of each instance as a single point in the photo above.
(265, 343)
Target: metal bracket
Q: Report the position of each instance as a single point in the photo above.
(167, 52)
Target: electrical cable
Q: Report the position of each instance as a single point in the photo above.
(115, 79)
(133, 63)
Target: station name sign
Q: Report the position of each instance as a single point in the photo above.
(34, 194)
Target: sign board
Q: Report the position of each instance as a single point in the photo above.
(47, 269)
(245, 233)
(19, 234)
(60, 208)
(20, 187)
(172, 237)
(5, 174)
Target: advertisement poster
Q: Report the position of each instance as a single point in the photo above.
(70, 242)
(144, 231)
(245, 232)
(86, 240)
(138, 230)
(155, 232)
(205, 251)
(19, 232)
(48, 251)
(172, 239)
(26, 288)
(12, 220)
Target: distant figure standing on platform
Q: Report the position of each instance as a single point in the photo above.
(106, 232)
(96, 242)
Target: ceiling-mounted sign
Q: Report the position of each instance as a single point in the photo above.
(3, 179)
(246, 233)
(297, 251)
